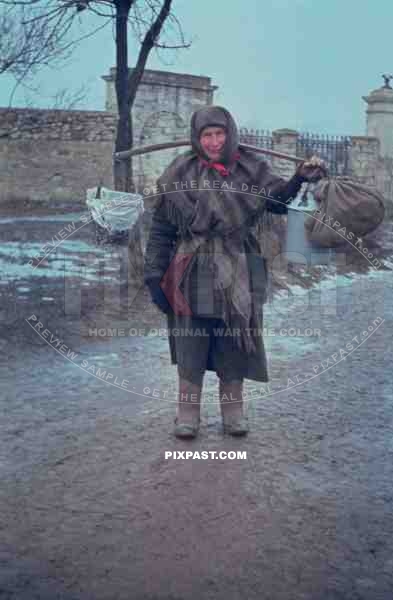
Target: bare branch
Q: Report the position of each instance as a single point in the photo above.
(42, 33)
(174, 47)
(64, 99)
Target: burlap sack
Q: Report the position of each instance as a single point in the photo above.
(343, 203)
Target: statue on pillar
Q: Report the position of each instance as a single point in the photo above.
(387, 79)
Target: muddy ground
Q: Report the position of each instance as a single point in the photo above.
(89, 506)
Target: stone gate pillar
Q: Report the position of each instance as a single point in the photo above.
(380, 117)
(285, 141)
(161, 112)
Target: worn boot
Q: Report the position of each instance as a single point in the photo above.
(235, 422)
(188, 417)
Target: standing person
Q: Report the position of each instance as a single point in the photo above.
(204, 267)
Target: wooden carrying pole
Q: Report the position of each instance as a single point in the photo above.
(164, 146)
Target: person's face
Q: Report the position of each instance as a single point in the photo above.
(212, 141)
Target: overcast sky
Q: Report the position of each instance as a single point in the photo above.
(303, 64)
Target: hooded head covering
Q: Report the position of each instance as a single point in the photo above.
(215, 116)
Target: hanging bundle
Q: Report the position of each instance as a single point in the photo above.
(345, 207)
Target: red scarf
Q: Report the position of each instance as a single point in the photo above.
(222, 169)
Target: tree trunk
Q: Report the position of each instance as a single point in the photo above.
(126, 87)
(123, 169)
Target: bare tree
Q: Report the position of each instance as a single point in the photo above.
(147, 26)
(145, 18)
(27, 45)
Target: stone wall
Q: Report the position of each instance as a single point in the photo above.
(54, 155)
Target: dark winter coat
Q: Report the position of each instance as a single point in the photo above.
(205, 222)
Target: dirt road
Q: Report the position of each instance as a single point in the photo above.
(90, 508)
